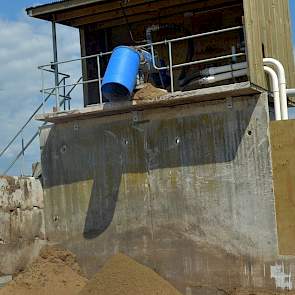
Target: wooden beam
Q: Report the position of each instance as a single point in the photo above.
(144, 12)
(38, 11)
(96, 9)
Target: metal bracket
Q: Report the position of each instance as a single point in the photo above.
(229, 102)
(137, 116)
(76, 126)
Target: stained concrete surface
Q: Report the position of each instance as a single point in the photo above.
(22, 231)
(187, 190)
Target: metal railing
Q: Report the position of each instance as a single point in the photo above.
(24, 146)
(59, 90)
(151, 47)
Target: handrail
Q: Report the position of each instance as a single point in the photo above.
(151, 45)
(24, 148)
(27, 122)
(146, 45)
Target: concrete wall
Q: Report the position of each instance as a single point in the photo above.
(22, 232)
(187, 190)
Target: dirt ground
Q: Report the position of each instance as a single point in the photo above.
(56, 272)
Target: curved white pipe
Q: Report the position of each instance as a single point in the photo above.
(282, 84)
(275, 90)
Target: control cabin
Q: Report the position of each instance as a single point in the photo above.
(215, 32)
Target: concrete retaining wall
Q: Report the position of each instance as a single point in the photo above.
(186, 190)
(22, 231)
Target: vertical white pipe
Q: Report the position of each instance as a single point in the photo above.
(282, 84)
(276, 91)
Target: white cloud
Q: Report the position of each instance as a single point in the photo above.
(24, 46)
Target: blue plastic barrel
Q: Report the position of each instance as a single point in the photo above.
(120, 77)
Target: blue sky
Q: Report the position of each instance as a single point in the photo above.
(14, 9)
(27, 44)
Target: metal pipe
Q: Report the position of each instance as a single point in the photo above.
(223, 69)
(55, 64)
(276, 91)
(33, 137)
(60, 73)
(282, 84)
(171, 67)
(26, 124)
(194, 62)
(149, 45)
(64, 93)
(43, 91)
(291, 92)
(99, 79)
(74, 84)
(207, 60)
(222, 77)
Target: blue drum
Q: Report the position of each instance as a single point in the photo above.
(120, 77)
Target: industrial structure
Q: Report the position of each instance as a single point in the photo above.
(196, 183)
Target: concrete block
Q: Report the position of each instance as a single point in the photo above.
(20, 192)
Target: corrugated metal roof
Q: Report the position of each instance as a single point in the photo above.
(49, 3)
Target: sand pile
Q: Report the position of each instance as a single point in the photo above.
(149, 92)
(123, 276)
(55, 271)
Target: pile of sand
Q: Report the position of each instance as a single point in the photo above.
(149, 92)
(55, 272)
(123, 276)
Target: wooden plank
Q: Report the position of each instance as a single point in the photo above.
(143, 12)
(97, 9)
(283, 159)
(179, 98)
(268, 22)
(253, 42)
(40, 10)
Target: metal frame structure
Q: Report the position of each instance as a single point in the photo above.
(25, 146)
(150, 46)
(61, 99)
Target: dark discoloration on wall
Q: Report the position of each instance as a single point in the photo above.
(12, 184)
(186, 190)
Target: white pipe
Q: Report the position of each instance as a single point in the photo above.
(222, 77)
(224, 69)
(276, 91)
(282, 84)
